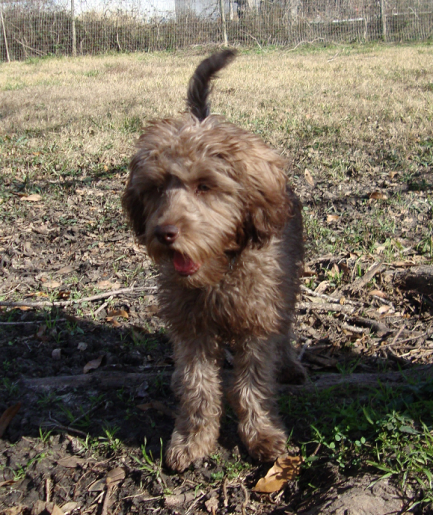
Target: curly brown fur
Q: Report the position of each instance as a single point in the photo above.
(211, 203)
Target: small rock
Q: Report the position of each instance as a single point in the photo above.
(56, 354)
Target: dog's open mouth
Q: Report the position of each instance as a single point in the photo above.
(184, 265)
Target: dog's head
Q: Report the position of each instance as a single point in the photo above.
(202, 190)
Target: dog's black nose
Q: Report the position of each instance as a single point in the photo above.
(166, 233)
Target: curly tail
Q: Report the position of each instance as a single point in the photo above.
(199, 84)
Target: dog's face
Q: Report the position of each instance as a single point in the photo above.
(200, 192)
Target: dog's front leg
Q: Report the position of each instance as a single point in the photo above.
(252, 396)
(196, 381)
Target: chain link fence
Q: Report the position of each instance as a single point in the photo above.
(32, 28)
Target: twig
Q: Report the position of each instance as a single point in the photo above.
(368, 276)
(102, 306)
(226, 501)
(325, 307)
(334, 57)
(55, 424)
(47, 489)
(380, 329)
(142, 500)
(194, 503)
(252, 37)
(91, 410)
(306, 42)
(406, 340)
(31, 322)
(76, 301)
(110, 486)
(395, 337)
(342, 300)
(247, 498)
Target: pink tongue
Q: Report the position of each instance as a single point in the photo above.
(184, 265)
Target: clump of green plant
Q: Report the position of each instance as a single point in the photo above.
(390, 430)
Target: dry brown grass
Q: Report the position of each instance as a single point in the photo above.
(89, 107)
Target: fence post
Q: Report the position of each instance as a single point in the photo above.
(383, 18)
(74, 33)
(223, 22)
(5, 37)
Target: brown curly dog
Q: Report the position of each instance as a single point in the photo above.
(211, 203)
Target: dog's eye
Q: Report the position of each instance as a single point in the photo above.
(202, 187)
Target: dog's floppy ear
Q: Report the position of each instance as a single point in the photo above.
(268, 203)
(132, 201)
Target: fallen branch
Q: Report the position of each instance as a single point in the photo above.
(367, 277)
(108, 380)
(63, 303)
(377, 327)
(364, 380)
(325, 307)
(337, 300)
(104, 380)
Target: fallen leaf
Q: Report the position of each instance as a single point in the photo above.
(107, 285)
(52, 284)
(211, 505)
(57, 511)
(65, 270)
(32, 198)
(8, 416)
(69, 506)
(43, 229)
(285, 469)
(383, 309)
(63, 295)
(40, 335)
(98, 486)
(116, 313)
(332, 218)
(309, 178)
(115, 475)
(378, 293)
(93, 364)
(321, 287)
(378, 195)
(16, 510)
(70, 462)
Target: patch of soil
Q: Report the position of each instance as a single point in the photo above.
(92, 376)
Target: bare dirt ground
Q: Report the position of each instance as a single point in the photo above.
(85, 362)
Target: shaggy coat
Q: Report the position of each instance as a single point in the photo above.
(210, 202)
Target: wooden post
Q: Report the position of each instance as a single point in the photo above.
(383, 18)
(74, 33)
(223, 22)
(5, 37)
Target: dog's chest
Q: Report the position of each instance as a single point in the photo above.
(240, 306)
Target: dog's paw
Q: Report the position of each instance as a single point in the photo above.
(184, 451)
(267, 445)
(177, 458)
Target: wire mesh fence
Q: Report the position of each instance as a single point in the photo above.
(78, 27)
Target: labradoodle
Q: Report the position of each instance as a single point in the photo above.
(211, 203)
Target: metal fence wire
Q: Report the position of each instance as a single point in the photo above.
(32, 28)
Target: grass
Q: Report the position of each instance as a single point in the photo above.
(343, 113)
(389, 432)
